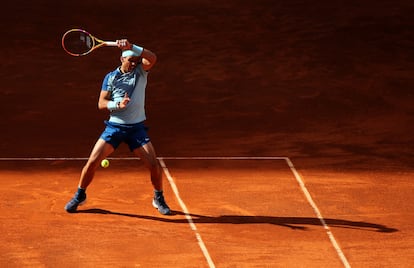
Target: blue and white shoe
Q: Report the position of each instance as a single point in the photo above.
(159, 203)
(77, 200)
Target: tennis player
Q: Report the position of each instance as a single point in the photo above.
(123, 95)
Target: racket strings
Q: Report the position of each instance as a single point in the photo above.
(78, 42)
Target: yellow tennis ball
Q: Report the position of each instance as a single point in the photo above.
(105, 163)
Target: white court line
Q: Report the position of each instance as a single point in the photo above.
(298, 178)
(42, 158)
(318, 214)
(187, 214)
(137, 158)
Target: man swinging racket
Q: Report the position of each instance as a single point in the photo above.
(123, 94)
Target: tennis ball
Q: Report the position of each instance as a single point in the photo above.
(105, 163)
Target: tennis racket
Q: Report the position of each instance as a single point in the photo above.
(78, 42)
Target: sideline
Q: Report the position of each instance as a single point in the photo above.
(187, 214)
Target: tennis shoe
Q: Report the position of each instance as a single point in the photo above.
(77, 200)
(159, 203)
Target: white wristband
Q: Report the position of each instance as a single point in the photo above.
(137, 49)
(112, 105)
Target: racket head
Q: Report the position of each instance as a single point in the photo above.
(78, 42)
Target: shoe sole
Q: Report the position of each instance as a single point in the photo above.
(154, 204)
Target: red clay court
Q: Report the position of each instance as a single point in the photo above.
(284, 129)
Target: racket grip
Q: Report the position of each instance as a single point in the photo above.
(111, 43)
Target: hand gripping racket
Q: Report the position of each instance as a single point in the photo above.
(78, 42)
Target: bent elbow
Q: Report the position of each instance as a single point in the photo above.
(101, 105)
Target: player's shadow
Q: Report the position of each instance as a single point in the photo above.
(297, 223)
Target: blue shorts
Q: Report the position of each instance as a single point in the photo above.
(135, 135)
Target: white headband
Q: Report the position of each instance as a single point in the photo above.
(131, 53)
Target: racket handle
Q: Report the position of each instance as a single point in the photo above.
(111, 43)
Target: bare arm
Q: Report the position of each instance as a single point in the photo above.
(148, 57)
(105, 97)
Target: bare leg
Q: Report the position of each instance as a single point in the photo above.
(99, 152)
(148, 156)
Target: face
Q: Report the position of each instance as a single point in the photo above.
(129, 63)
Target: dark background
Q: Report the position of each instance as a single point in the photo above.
(328, 83)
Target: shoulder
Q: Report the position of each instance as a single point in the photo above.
(109, 77)
(113, 73)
